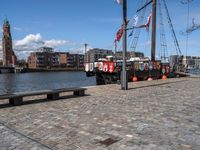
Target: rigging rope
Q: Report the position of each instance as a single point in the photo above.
(119, 45)
(178, 50)
(134, 41)
(163, 43)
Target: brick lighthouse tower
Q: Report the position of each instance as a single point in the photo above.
(9, 57)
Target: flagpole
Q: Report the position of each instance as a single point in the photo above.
(115, 50)
(124, 83)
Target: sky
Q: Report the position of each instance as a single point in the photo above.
(66, 25)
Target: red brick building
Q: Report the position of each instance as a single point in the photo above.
(47, 58)
(9, 57)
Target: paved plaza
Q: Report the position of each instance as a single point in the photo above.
(155, 115)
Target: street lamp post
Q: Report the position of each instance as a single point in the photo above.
(153, 40)
(85, 52)
(124, 83)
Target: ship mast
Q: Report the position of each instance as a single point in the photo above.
(153, 39)
(153, 36)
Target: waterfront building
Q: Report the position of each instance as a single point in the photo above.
(71, 60)
(76, 60)
(130, 54)
(47, 58)
(191, 62)
(187, 61)
(94, 54)
(9, 57)
(197, 62)
(63, 59)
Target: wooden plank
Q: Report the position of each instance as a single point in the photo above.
(51, 94)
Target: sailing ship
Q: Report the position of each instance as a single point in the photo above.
(111, 70)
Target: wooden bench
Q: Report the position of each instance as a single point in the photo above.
(17, 97)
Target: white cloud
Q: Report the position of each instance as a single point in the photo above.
(54, 43)
(31, 38)
(33, 42)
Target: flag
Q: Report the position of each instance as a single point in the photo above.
(119, 34)
(130, 33)
(146, 25)
(148, 22)
(135, 21)
(119, 1)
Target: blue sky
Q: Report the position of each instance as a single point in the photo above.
(67, 24)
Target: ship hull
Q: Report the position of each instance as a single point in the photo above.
(112, 78)
(139, 70)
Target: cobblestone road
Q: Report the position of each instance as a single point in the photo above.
(156, 115)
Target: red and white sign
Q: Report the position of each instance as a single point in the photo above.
(111, 67)
(100, 65)
(167, 69)
(108, 67)
(146, 66)
(87, 67)
(105, 66)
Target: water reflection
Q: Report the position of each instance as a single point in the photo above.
(7, 83)
(42, 81)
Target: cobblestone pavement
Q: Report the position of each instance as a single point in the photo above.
(156, 115)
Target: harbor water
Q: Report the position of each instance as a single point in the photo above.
(43, 81)
(21, 82)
